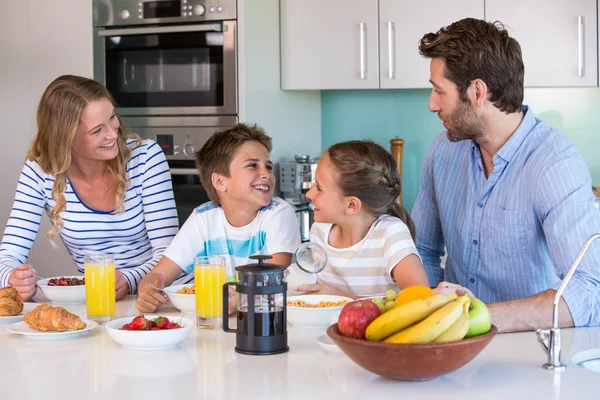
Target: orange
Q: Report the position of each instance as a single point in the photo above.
(413, 293)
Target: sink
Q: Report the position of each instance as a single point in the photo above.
(588, 359)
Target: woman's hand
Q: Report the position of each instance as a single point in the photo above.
(321, 288)
(23, 281)
(121, 286)
(149, 298)
(445, 288)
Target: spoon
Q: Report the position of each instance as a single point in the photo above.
(161, 290)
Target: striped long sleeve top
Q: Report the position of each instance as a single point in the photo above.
(515, 233)
(137, 237)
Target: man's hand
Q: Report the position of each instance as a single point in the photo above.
(23, 281)
(149, 298)
(445, 288)
(121, 285)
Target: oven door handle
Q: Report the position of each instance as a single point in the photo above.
(184, 171)
(160, 29)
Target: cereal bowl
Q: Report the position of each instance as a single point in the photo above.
(149, 340)
(315, 317)
(186, 303)
(63, 294)
(411, 362)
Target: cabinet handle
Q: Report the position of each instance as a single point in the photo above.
(580, 49)
(363, 51)
(391, 50)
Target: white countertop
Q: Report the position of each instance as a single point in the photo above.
(205, 365)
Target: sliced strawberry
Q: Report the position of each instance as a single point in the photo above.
(172, 325)
(62, 282)
(162, 322)
(139, 323)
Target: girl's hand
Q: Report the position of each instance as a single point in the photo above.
(321, 288)
(445, 288)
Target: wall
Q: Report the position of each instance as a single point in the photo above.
(36, 47)
(382, 114)
(292, 119)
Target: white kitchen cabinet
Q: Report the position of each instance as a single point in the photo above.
(347, 44)
(402, 23)
(329, 44)
(558, 39)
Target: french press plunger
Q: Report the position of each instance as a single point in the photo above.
(261, 308)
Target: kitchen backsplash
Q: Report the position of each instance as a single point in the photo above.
(380, 115)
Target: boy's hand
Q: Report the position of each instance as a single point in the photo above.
(149, 298)
(321, 288)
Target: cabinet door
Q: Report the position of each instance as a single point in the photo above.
(558, 39)
(402, 24)
(329, 44)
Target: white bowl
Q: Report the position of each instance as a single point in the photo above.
(314, 317)
(63, 294)
(184, 302)
(149, 340)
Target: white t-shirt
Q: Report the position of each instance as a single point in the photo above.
(208, 233)
(365, 268)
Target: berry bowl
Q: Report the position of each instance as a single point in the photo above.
(149, 340)
(301, 315)
(411, 362)
(63, 294)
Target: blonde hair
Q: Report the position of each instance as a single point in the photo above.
(58, 116)
(366, 170)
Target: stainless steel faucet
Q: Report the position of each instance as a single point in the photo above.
(550, 338)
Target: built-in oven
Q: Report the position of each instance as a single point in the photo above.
(175, 57)
(180, 139)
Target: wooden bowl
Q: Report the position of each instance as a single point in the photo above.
(411, 362)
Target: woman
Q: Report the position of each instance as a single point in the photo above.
(104, 193)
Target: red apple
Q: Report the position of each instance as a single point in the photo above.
(356, 316)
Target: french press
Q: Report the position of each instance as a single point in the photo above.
(261, 308)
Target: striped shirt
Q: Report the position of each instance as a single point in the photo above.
(516, 233)
(137, 237)
(208, 233)
(365, 268)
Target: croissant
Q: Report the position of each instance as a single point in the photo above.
(11, 302)
(46, 318)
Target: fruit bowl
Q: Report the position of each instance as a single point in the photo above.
(306, 317)
(186, 303)
(411, 362)
(63, 294)
(149, 340)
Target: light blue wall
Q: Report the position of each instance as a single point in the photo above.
(382, 114)
(292, 119)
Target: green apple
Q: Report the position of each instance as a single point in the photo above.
(480, 319)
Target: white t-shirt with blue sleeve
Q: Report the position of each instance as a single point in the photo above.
(208, 233)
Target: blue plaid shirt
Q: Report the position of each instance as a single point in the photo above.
(517, 232)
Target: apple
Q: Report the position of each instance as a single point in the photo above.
(480, 319)
(356, 316)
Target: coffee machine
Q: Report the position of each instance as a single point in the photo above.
(295, 179)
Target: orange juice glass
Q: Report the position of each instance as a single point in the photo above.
(209, 277)
(100, 287)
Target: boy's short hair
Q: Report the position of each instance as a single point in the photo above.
(218, 151)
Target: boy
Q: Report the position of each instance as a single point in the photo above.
(242, 218)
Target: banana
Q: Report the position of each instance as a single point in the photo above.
(457, 330)
(432, 326)
(405, 315)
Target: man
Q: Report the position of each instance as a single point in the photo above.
(506, 194)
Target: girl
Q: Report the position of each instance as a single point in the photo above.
(367, 234)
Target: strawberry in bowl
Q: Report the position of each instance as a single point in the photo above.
(149, 332)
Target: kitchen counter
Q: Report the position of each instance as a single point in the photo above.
(205, 365)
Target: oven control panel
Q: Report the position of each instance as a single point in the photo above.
(137, 12)
(179, 146)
